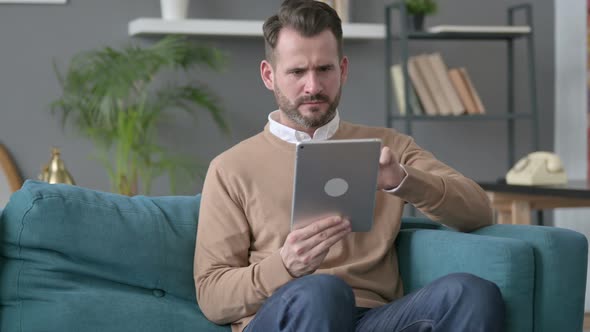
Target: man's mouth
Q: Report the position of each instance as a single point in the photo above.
(314, 100)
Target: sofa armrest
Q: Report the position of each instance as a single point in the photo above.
(561, 258)
(422, 223)
(425, 255)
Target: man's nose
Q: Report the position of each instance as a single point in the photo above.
(313, 84)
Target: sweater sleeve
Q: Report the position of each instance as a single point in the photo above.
(440, 192)
(228, 287)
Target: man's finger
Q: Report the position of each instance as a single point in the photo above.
(385, 157)
(317, 239)
(328, 243)
(315, 228)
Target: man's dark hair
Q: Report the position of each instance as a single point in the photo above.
(308, 17)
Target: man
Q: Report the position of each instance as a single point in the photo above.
(252, 271)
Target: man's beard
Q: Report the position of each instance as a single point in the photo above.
(293, 113)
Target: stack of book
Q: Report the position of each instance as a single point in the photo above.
(341, 7)
(435, 89)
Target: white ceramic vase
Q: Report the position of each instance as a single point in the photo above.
(174, 9)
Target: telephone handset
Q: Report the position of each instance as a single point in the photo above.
(537, 168)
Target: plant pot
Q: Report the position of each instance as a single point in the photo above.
(415, 22)
(174, 9)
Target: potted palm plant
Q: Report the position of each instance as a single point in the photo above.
(114, 97)
(417, 10)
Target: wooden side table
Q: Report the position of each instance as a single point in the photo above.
(514, 203)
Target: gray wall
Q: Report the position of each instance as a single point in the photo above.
(32, 35)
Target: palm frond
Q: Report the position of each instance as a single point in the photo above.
(108, 95)
(189, 98)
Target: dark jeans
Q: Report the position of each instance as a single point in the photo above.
(456, 302)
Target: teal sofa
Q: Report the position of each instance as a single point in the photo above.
(73, 259)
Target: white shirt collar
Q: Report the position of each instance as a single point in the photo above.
(291, 135)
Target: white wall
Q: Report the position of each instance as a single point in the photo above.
(571, 106)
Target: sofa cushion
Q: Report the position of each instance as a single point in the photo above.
(75, 259)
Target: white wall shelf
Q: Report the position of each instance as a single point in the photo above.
(235, 28)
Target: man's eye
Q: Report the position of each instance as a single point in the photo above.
(297, 72)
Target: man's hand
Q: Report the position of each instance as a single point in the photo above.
(305, 248)
(391, 173)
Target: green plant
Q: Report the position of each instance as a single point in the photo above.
(114, 97)
(421, 7)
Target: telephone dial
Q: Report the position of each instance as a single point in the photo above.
(537, 168)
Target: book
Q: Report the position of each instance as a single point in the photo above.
(476, 99)
(422, 91)
(462, 91)
(440, 72)
(432, 84)
(341, 7)
(329, 2)
(514, 29)
(397, 77)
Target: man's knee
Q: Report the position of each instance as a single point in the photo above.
(310, 303)
(320, 292)
(479, 293)
(470, 285)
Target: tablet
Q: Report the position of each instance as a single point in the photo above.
(336, 177)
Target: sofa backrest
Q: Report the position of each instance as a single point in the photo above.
(75, 259)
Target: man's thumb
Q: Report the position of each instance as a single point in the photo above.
(385, 157)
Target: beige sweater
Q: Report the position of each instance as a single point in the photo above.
(245, 218)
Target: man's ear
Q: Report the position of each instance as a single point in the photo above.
(343, 70)
(266, 72)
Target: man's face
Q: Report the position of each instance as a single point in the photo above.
(306, 78)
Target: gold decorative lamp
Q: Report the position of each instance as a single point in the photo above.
(55, 171)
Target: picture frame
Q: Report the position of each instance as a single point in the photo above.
(11, 180)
